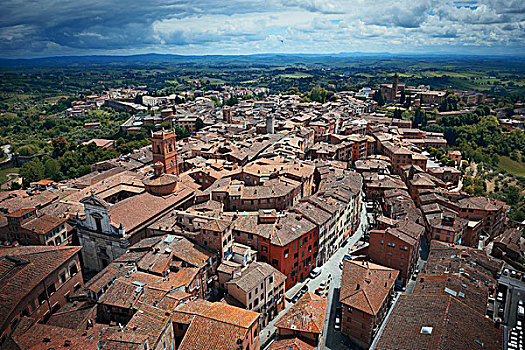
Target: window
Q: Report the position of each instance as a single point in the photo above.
(51, 289)
(293, 247)
(264, 249)
(62, 277)
(25, 312)
(180, 326)
(73, 270)
(275, 262)
(302, 255)
(381, 241)
(256, 302)
(41, 298)
(250, 295)
(296, 255)
(286, 251)
(98, 223)
(250, 236)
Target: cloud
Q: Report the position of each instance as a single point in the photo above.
(58, 27)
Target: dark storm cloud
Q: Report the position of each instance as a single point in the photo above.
(55, 27)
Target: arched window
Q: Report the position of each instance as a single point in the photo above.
(170, 148)
(73, 270)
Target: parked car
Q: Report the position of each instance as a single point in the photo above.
(337, 324)
(341, 265)
(319, 291)
(501, 311)
(399, 287)
(521, 312)
(499, 298)
(316, 271)
(513, 274)
(505, 271)
(339, 311)
(304, 289)
(323, 284)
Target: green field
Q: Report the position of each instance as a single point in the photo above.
(511, 166)
(296, 75)
(4, 172)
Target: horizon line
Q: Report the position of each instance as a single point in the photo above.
(360, 53)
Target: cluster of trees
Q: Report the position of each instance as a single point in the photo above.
(378, 97)
(511, 195)
(474, 186)
(439, 154)
(479, 136)
(420, 118)
(318, 94)
(66, 161)
(451, 102)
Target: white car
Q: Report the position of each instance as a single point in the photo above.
(337, 324)
(323, 284)
(499, 298)
(315, 272)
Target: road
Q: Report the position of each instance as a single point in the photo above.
(330, 339)
(515, 292)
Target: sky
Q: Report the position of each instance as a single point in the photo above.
(30, 28)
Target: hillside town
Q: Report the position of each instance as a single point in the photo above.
(277, 224)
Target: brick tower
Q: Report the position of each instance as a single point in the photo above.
(164, 149)
(395, 82)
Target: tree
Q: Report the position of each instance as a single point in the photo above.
(52, 169)
(32, 171)
(199, 124)
(60, 146)
(232, 101)
(451, 102)
(408, 102)
(378, 97)
(318, 94)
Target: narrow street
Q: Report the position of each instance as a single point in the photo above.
(330, 338)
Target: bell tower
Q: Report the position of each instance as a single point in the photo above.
(164, 148)
(395, 82)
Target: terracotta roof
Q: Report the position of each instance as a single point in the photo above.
(437, 322)
(23, 268)
(471, 292)
(213, 325)
(481, 203)
(126, 212)
(365, 286)
(122, 294)
(307, 315)
(209, 334)
(39, 336)
(150, 321)
(42, 224)
(252, 276)
(290, 344)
